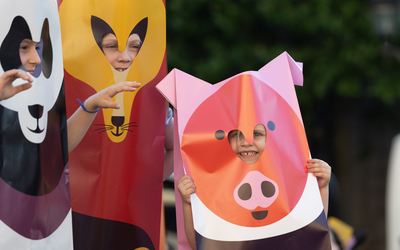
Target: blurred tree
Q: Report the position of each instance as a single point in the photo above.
(334, 39)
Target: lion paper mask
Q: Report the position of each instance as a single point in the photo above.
(82, 34)
(116, 170)
(236, 201)
(34, 186)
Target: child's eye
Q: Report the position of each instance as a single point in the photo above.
(134, 46)
(23, 47)
(110, 46)
(258, 134)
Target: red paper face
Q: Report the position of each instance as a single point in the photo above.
(248, 195)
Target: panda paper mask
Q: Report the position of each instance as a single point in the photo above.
(32, 20)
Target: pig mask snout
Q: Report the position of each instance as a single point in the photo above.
(256, 190)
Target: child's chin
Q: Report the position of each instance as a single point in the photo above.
(249, 161)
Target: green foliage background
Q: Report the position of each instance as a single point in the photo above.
(335, 40)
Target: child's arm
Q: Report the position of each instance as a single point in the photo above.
(186, 188)
(322, 171)
(7, 90)
(79, 122)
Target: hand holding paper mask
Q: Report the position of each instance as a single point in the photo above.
(186, 188)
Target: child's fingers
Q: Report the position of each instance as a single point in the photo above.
(13, 74)
(186, 183)
(23, 87)
(315, 163)
(184, 178)
(23, 75)
(318, 170)
(110, 104)
(123, 86)
(129, 85)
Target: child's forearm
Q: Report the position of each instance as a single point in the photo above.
(325, 198)
(189, 226)
(77, 126)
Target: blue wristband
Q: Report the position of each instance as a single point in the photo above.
(83, 106)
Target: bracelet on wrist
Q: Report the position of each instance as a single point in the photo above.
(83, 106)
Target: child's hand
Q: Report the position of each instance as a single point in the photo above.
(7, 90)
(186, 188)
(321, 170)
(103, 99)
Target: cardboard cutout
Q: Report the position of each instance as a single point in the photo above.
(244, 205)
(34, 184)
(116, 170)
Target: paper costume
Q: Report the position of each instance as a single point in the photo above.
(116, 170)
(272, 203)
(35, 211)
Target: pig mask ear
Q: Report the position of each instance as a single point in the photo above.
(178, 83)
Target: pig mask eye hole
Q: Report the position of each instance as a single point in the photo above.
(219, 135)
(271, 125)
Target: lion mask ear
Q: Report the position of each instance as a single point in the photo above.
(99, 29)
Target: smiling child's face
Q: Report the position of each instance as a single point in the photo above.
(28, 53)
(120, 60)
(249, 153)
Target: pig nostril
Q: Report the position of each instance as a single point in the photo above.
(244, 192)
(268, 189)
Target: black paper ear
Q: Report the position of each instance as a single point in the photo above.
(141, 30)
(47, 50)
(99, 29)
(9, 49)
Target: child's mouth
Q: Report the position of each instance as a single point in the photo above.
(248, 153)
(120, 70)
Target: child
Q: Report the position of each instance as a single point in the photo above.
(121, 61)
(249, 153)
(80, 121)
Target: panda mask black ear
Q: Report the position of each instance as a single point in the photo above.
(9, 49)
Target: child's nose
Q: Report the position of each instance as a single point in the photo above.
(244, 141)
(34, 58)
(124, 57)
